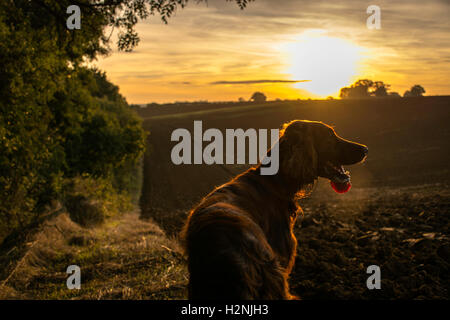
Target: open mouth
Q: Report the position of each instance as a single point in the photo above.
(339, 177)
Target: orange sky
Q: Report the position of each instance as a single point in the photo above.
(322, 41)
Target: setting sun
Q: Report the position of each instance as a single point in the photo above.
(329, 63)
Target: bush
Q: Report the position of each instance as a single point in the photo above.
(58, 120)
(85, 129)
(85, 212)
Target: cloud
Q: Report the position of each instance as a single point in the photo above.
(258, 81)
(180, 83)
(204, 43)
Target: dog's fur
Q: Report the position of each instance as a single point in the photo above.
(239, 239)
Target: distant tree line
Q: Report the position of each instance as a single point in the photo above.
(365, 88)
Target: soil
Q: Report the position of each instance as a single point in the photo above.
(405, 231)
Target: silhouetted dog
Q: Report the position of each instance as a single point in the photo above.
(239, 239)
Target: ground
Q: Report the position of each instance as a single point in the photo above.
(125, 258)
(395, 216)
(403, 230)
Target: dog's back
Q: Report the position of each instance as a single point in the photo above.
(239, 246)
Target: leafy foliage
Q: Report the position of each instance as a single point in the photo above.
(258, 97)
(58, 119)
(365, 88)
(99, 19)
(416, 91)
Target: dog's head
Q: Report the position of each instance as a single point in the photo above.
(311, 149)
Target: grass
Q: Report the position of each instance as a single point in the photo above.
(125, 258)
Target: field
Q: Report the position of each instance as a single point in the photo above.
(395, 216)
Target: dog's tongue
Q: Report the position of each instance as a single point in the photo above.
(340, 187)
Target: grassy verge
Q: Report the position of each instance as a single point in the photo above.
(120, 255)
(124, 258)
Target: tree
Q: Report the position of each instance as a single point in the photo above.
(416, 91)
(380, 89)
(57, 118)
(258, 97)
(360, 89)
(100, 17)
(365, 88)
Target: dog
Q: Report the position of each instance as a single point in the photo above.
(239, 239)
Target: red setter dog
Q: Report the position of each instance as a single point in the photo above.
(239, 239)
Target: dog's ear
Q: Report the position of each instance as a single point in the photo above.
(298, 157)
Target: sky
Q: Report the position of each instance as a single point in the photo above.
(217, 52)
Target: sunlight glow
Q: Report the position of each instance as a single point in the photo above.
(330, 63)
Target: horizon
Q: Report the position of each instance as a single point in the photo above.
(146, 104)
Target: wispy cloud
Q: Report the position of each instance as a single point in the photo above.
(180, 83)
(258, 81)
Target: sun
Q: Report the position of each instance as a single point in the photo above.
(329, 63)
